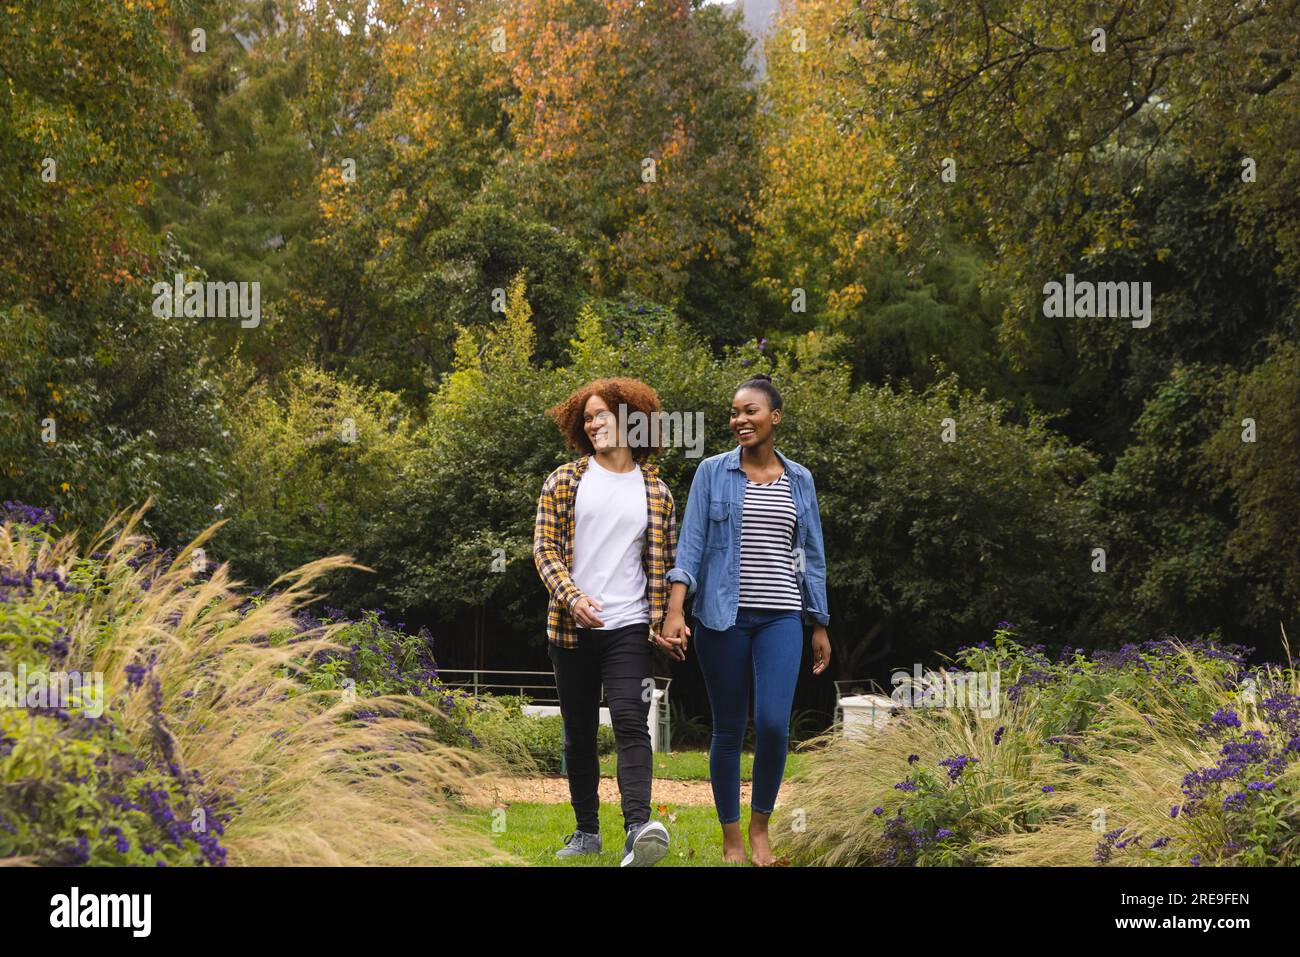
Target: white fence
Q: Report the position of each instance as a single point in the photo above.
(544, 700)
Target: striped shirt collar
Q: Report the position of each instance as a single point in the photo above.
(732, 460)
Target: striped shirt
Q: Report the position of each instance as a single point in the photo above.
(767, 529)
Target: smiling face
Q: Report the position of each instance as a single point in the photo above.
(752, 418)
(600, 424)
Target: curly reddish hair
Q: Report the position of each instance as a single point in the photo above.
(635, 394)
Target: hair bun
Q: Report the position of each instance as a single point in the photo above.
(761, 375)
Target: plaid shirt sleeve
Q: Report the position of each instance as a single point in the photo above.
(670, 558)
(661, 547)
(549, 546)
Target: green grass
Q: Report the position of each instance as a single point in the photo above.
(534, 832)
(694, 765)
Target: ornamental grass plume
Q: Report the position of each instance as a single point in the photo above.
(1178, 789)
(297, 776)
(1163, 753)
(907, 766)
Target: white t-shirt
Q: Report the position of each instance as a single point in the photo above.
(609, 527)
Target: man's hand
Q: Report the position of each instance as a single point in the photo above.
(584, 613)
(670, 648)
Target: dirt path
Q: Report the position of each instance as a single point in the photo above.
(555, 790)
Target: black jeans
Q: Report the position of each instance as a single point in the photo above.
(621, 659)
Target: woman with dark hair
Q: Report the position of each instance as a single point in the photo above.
(603, 539)
(751, 554)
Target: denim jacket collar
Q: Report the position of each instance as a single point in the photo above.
(732, 461)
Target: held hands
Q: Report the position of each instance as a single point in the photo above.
(821, 646)
(671, 641)
(670, 648)
(672, 638)
(675, 632)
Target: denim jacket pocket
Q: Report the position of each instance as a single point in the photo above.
(719, 527)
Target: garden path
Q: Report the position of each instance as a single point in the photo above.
(554, 789)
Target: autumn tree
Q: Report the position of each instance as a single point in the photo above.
(103, 402)
(630, 129)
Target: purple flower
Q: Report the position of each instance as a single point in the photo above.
(21, 514)
(135, 675)
(80, 852)
(1235, 802)
(956, 765)
(1226, 717)
(123, 845)
(1106, 846)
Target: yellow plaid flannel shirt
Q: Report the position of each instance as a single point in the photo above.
(553, 547)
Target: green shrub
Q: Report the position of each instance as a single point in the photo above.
(528, 742)
(309, 467)
(375, 659)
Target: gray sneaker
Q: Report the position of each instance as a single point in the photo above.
(579, 843)
(646, 845)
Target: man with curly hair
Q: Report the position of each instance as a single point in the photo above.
(604, 539)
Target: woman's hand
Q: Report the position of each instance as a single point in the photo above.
(674, 634)
(821, 645)
(584, 613)
(671, 648)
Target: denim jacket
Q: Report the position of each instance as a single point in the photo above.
(708, 541)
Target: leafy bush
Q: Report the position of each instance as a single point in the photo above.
(689, 729)
(376, 659)
(105, 404)
(1261, 476)
(930, 541)
(310, 466)
(528, 742)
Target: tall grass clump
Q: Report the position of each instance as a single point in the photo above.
(374, 658)
(210, 748)
(1161, 753)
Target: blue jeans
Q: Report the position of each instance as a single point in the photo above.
(770, 643)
